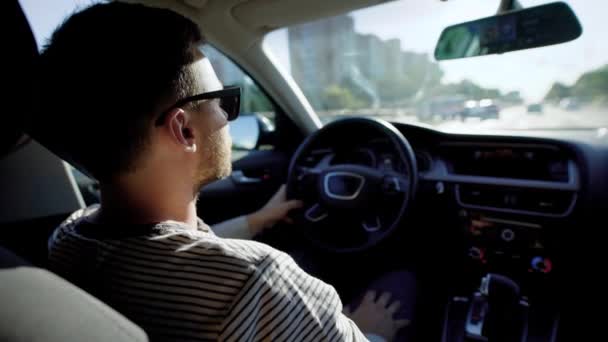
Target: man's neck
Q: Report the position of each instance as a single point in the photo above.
(133, 200)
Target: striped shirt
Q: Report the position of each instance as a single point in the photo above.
(182, 284)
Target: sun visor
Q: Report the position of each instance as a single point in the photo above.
(271, 14)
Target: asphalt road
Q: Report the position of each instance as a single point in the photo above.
(519, 118)
(511, 118)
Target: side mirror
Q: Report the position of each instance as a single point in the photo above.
(549, 24)
(250, 130)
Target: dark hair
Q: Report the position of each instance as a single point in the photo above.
(104, 74)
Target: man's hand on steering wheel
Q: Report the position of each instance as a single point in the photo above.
(351, 206)
(276, 210)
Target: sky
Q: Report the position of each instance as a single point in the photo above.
(418, 24)
(45, 15)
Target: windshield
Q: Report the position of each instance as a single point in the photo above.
(379, 62)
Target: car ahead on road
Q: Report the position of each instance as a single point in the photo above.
(442, 108)
(535, 108)
(496, 224)
(570, 104)
(483, 109)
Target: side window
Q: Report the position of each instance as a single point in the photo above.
(257, 115)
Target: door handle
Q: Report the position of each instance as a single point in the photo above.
(239, 177)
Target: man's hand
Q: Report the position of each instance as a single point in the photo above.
(376, 317)
(274, 211)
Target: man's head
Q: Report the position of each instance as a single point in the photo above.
(108, 73)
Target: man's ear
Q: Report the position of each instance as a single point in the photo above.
(180, 128)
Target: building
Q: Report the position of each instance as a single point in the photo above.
(329, 52)
(393, 58)
(321, 54)
(371, 56)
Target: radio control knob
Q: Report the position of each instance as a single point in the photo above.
(540, 264)
(476, 253)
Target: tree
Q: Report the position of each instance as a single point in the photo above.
(513, 97)
(419, 74)
(337, 97)
(592, 86)
(557, 92)
(395, 89)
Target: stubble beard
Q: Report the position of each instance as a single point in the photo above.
(215, 159)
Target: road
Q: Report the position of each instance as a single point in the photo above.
(514, 118)
(550, 118)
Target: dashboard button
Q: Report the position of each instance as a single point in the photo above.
(507, 235)
(439, 188)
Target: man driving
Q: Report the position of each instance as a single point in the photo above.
(128, 97)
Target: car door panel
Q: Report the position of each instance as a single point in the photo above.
(254, 179)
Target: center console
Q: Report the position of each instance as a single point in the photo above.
(496, 312)
(522, 248)
(512, 266)
(512, 204)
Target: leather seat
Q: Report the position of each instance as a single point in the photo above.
(36, 305)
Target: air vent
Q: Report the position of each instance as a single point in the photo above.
(526, 200)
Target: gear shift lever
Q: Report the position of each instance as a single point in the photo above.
(496, 313)
(500, 289)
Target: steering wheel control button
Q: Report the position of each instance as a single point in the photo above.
(343, 185)
(507, 235)
(315, 213)
(372, 225)
(348, 186)
(391, 185)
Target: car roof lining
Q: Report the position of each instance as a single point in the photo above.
(255, 18)
(268, 15)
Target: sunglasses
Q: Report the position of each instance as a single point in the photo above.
(230, 102)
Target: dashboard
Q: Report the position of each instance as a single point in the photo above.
(376, 153)
(509, 204)
(509, 200)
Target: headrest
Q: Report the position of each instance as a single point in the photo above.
(18, 60)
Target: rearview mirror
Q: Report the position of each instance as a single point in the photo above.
(532, 27)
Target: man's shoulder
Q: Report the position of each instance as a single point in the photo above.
(170, 238)
(245, 251)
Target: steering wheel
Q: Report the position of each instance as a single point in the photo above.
(351, 207)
